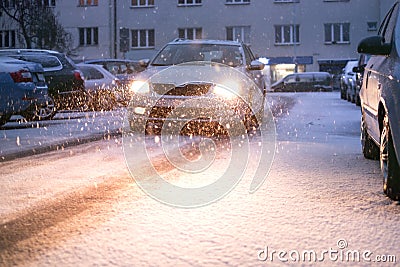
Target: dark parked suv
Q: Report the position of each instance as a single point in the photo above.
(380, 100)
(64, 79)
(304, 82)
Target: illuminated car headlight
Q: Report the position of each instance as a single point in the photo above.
(140, 87)
(225, 92)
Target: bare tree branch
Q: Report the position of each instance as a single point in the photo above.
(37, 24)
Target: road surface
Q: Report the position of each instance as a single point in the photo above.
(321, 202)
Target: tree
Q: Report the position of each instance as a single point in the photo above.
(38, 24)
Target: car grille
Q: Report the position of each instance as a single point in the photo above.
(189, 89)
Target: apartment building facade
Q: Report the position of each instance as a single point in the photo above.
(302, 35)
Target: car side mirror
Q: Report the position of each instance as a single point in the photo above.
(144, 63)
(374, 45)
(256, 65)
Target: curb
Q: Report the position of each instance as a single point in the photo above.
(59, 144)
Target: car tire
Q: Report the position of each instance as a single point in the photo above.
(348, 96)
(43, 111)
(358, 100)
(342, 94)
(389, 163)
(369, 148)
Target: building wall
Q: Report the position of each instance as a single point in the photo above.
(213, 16)
(72, 16)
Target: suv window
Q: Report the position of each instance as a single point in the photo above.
(320, 78)
(290, 79)
(305, 78)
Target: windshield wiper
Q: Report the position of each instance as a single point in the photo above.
(160, 64)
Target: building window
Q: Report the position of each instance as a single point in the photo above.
(88, 36)
(7, 39)
(143, 38)
(372, 25)
(287, 34)
(190, 33)
(47, 3)
(9, 3)
(286, 1)
(189, 2)
(142, 3)
(237, 2)
(88, 2)
(337, 33)
(238, 33)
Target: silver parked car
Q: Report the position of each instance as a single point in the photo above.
(101, 86)
(380, 100)
(348, 82)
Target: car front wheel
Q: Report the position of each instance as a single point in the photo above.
(389, 164)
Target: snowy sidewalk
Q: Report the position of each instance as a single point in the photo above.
(18, 138)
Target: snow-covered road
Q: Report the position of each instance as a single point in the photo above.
(322, 201)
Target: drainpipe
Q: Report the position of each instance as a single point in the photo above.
(115, 28)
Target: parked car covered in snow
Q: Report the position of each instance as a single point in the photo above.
(23, 89)
(64, 80)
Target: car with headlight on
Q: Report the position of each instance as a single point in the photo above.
(200, 86)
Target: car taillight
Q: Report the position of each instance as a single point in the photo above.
(78, 75)
(21, 76)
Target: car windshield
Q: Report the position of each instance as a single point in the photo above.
(176, 54)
